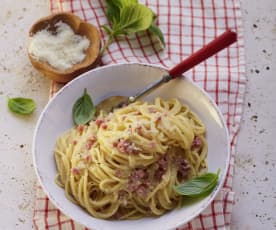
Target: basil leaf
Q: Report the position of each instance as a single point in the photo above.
(83, 109)
(198, 186)
(128, 17)
(113, 10)
(134, 18)
(20, 105)
(156, 31)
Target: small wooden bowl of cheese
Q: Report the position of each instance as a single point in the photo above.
(62, 46)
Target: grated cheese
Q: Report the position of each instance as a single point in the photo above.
(61, 50)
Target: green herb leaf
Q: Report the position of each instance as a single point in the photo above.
(134, 18)
(113, 10)
(83, 109)
(198, 186)
(156, 31)
(128, 17)
(20, 105)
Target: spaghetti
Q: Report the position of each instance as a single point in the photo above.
(123, 165)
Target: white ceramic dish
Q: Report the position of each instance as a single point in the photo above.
(126, 79)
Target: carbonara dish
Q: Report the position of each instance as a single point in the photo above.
(124, 165)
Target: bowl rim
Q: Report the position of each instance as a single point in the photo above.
(211, 196)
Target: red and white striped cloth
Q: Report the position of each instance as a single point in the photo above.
(187, 25)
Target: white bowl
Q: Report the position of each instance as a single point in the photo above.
(126, 79)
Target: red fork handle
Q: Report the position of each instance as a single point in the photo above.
(218, 44)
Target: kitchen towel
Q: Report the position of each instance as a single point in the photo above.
(187, 25)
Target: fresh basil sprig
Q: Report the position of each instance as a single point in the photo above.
(22, 106)
(128, 17)
(83, 109)
(199, 186)
(156, 30)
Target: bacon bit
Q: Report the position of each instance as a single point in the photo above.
(142, 190)
(88, 158)
(93, 138)
(80, 128)
(90, 142)
(196, 142)
(99, 122)
(183, 167)
(126, 146)
(162, 167)
(163, 162)
(138, 129)
(152, 110)
(138, 182)
(75, 142)
(88, 145)
(138, 174)
(123, 146)
(104, 126)
(115, 144)
(158, 119)
(124, 117)
(152, 144)
(75, 171)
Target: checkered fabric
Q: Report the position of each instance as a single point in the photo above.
(187, 25)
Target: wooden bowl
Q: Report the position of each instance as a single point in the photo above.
(80, 27)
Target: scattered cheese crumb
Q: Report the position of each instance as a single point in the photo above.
(61, 50)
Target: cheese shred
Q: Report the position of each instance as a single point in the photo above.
(62, 49)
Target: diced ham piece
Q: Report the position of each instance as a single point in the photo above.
(138, 174)
(104, 126)
(90, 142)
(75, 171)
(183, 167)
(80, 129)
(158, 119)
(138, 129)
(142, 190)
(93, 138)
(138, 182)
(152, 144)
(75, 142)
(126, 146)
(87, 158)
(99, 122)
(197, 142)
(162, 167)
